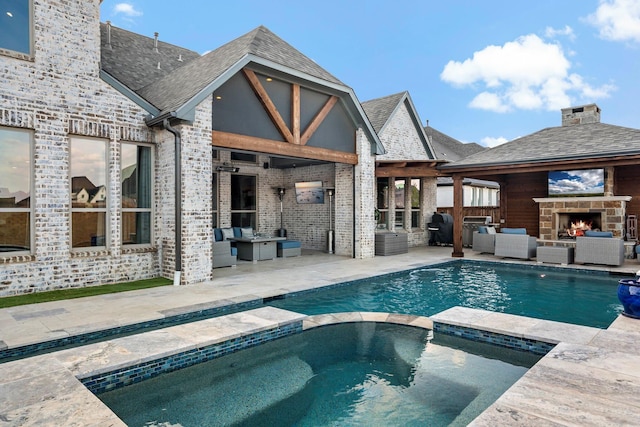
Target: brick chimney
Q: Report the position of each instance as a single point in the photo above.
(580, 115)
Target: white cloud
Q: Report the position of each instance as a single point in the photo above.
(525, 74)
(488, 101)
(489, 141)
(552, 33)
(617, 20)
(126, 9)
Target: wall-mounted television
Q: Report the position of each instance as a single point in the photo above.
(309, 192)
(575, 183)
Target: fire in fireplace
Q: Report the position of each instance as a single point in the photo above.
(578, 228)
(572, 225)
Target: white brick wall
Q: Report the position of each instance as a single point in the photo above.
(402, 142)
(59, 93)
(400, 138)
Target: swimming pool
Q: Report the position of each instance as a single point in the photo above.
(584, 297)
(346, 374)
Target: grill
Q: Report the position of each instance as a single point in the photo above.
(471, 224)
(440, 229)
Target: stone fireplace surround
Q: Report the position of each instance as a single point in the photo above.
(612, 210)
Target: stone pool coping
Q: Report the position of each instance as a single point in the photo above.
(580, 381)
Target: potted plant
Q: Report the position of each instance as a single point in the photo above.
(629, 296)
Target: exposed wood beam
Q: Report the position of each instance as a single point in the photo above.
(295, 113)
(261, 145)
(317, 120)
(409, 172)
(268, 104)
(391, 164)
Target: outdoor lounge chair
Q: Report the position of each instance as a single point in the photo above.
(515, 243)
(223, 254)
(483, 240)
(601, 249)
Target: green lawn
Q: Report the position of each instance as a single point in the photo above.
(82, 292)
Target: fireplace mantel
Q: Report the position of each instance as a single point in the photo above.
(582, 199)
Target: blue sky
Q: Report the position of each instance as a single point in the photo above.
(480, 71)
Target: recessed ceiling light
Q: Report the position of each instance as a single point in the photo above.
(218, 97)
(269, 79)
(10, 15)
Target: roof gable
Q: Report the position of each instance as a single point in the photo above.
(392, 116)
(178, 87)
(177, 93)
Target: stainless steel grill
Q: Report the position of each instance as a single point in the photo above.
(471, 224)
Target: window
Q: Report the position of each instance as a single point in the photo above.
(243, 201)
(243, 157)
(415, 203)
(399, 186)
(382, 202)
(137, 191)
(214, 200)
(88, 192)
(15, 26)
(15, 190)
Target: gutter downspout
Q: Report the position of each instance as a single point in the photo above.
(164, 122)
(178, 200)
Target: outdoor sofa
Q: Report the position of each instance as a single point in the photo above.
(515, 243)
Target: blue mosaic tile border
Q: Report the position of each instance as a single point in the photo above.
(8, 354)
(523, 344)
(133, 374)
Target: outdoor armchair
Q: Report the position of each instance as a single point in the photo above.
(483, 240)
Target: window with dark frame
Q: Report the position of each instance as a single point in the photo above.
(137, 193)
(244, 200)
(15, 26)
(89, 192)
(15, 190)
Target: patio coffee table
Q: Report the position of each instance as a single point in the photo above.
(257, 248)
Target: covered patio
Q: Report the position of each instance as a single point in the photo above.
(525, 169)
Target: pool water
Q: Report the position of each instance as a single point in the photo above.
(345, 374)
(578, 297)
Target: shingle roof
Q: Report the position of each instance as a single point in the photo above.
(176, 88)
(584, 141)
(379, 110)
(448, 148)
(132, 59)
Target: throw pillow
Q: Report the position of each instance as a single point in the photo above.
(227, 233)
(247, 232)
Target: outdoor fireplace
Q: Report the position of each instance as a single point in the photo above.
(572, 225)
(605, 213)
